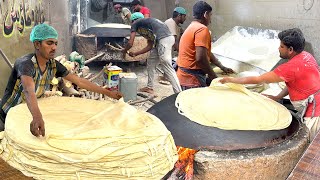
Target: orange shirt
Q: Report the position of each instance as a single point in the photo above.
(195, 35)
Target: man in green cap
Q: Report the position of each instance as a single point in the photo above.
(160, 42)
(178, 17)
(135, 16)
(32, 75)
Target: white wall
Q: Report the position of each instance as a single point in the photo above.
(16, 44)
(267, 14)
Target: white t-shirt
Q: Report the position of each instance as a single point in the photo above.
(124, 13)
(173, 27)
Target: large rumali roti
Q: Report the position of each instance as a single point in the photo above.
(232, 107)
(87, 139)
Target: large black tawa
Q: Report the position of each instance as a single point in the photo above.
(189, 134)
(107, 31)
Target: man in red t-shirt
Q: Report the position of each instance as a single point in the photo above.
(301, 75)
(137, 7)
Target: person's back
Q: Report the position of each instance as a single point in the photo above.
(145, 11)
(123, 12)
(151, 28)
(173, 27)
(178, 17)
(160, 43)
(196, 34)
(124, 15)
(137, 7)
(176, 32)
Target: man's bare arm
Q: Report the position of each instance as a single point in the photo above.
(85, 84)
(144, 50)
(37, 124)
(203, 61)
(215, 61)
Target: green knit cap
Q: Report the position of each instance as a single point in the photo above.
(136, 15)
(180, 10)
(42, 32)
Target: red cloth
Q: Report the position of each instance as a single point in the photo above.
(145, 10)
(196, 35)
(302, 77)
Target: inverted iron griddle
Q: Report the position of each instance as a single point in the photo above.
(108, 31)
(189, 134)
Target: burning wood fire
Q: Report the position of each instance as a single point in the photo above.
(183, 168)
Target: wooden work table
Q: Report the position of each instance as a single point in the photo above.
(308, 167)
(9, 173)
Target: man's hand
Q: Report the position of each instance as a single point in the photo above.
(37, 127)
(37, 124)
(115, 95)
(124, 53)
(275, 98)
(132, 54)
(226, 80)
(227, 70)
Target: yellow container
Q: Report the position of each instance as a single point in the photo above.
(111, 77)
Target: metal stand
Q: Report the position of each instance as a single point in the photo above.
(6, 59)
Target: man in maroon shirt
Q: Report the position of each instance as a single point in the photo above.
(137, 7)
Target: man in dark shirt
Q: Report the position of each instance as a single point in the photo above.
(160, 42)
(32, 74)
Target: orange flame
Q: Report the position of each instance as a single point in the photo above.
(184, 165)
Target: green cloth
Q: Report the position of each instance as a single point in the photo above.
(136, 15)
(180, 10)
(42, 32)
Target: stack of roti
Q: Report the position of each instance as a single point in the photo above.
(87, 139)
(232, 107)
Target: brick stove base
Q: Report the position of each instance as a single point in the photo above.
(268, 163)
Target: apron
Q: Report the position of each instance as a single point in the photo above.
(301, 105)
(198, 73)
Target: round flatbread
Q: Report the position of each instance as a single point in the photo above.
(232, 107)
(88, 139)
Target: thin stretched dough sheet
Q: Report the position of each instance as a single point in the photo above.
(88, 139)
(232, 107)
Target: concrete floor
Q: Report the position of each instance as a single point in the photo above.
(160, 90)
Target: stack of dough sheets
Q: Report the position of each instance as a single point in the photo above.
(232, 107)
(87, 139)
